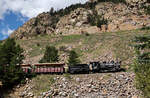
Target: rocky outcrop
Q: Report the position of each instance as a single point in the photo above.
(120, 17)
(42, 24)
(74, 22)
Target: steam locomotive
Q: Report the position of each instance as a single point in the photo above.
(51, 68)
(95, 67)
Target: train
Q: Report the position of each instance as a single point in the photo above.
(60, 68)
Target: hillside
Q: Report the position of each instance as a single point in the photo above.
(98, 31)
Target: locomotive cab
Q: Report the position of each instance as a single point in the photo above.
(94, 66)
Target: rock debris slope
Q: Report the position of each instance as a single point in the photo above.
(103, 85)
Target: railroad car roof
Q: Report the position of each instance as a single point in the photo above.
(49, 64)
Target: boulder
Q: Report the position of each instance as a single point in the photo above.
(112, 28)
(72, 21)
(128, 26)
(78, 24)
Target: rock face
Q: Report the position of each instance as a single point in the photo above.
(42, 24)
(136, 3)
(100, 85)
(73, 23)
(120, 17)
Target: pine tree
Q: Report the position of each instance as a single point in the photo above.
(73, 58)
(142, 64)
(51, 11)
(11, 57)
(50, 55)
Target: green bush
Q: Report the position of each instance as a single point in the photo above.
(50, 55)
(145, 28)
(142, 64)
(101, 21)
(73, 58)
(147, 10)
(91, 20)
(54, 20)
(96, 20)
(63, 48)
(11, 57)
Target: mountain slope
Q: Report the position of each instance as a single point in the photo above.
(75, 19)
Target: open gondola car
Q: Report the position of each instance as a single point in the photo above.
(49, 68)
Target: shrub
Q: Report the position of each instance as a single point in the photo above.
(36, 22)
(142, 64)
(147, 10)
(96, 20)
(91, 20)
(54, 20)
(63, 48)
(73, 58)
(87, 34)
(50, 55)
(145, 28)
(101, 21)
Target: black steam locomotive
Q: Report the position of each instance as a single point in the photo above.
(105, 66)
(95, 67)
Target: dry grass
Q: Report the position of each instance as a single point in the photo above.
(42, 83)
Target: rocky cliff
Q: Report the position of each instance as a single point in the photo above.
(119, 16)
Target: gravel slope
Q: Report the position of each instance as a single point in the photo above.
(97, 85)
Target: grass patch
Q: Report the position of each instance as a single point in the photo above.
(42, 83)
(67, 75)
(107, 76)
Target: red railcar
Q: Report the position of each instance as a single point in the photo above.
(26, 68)
(49, 68)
